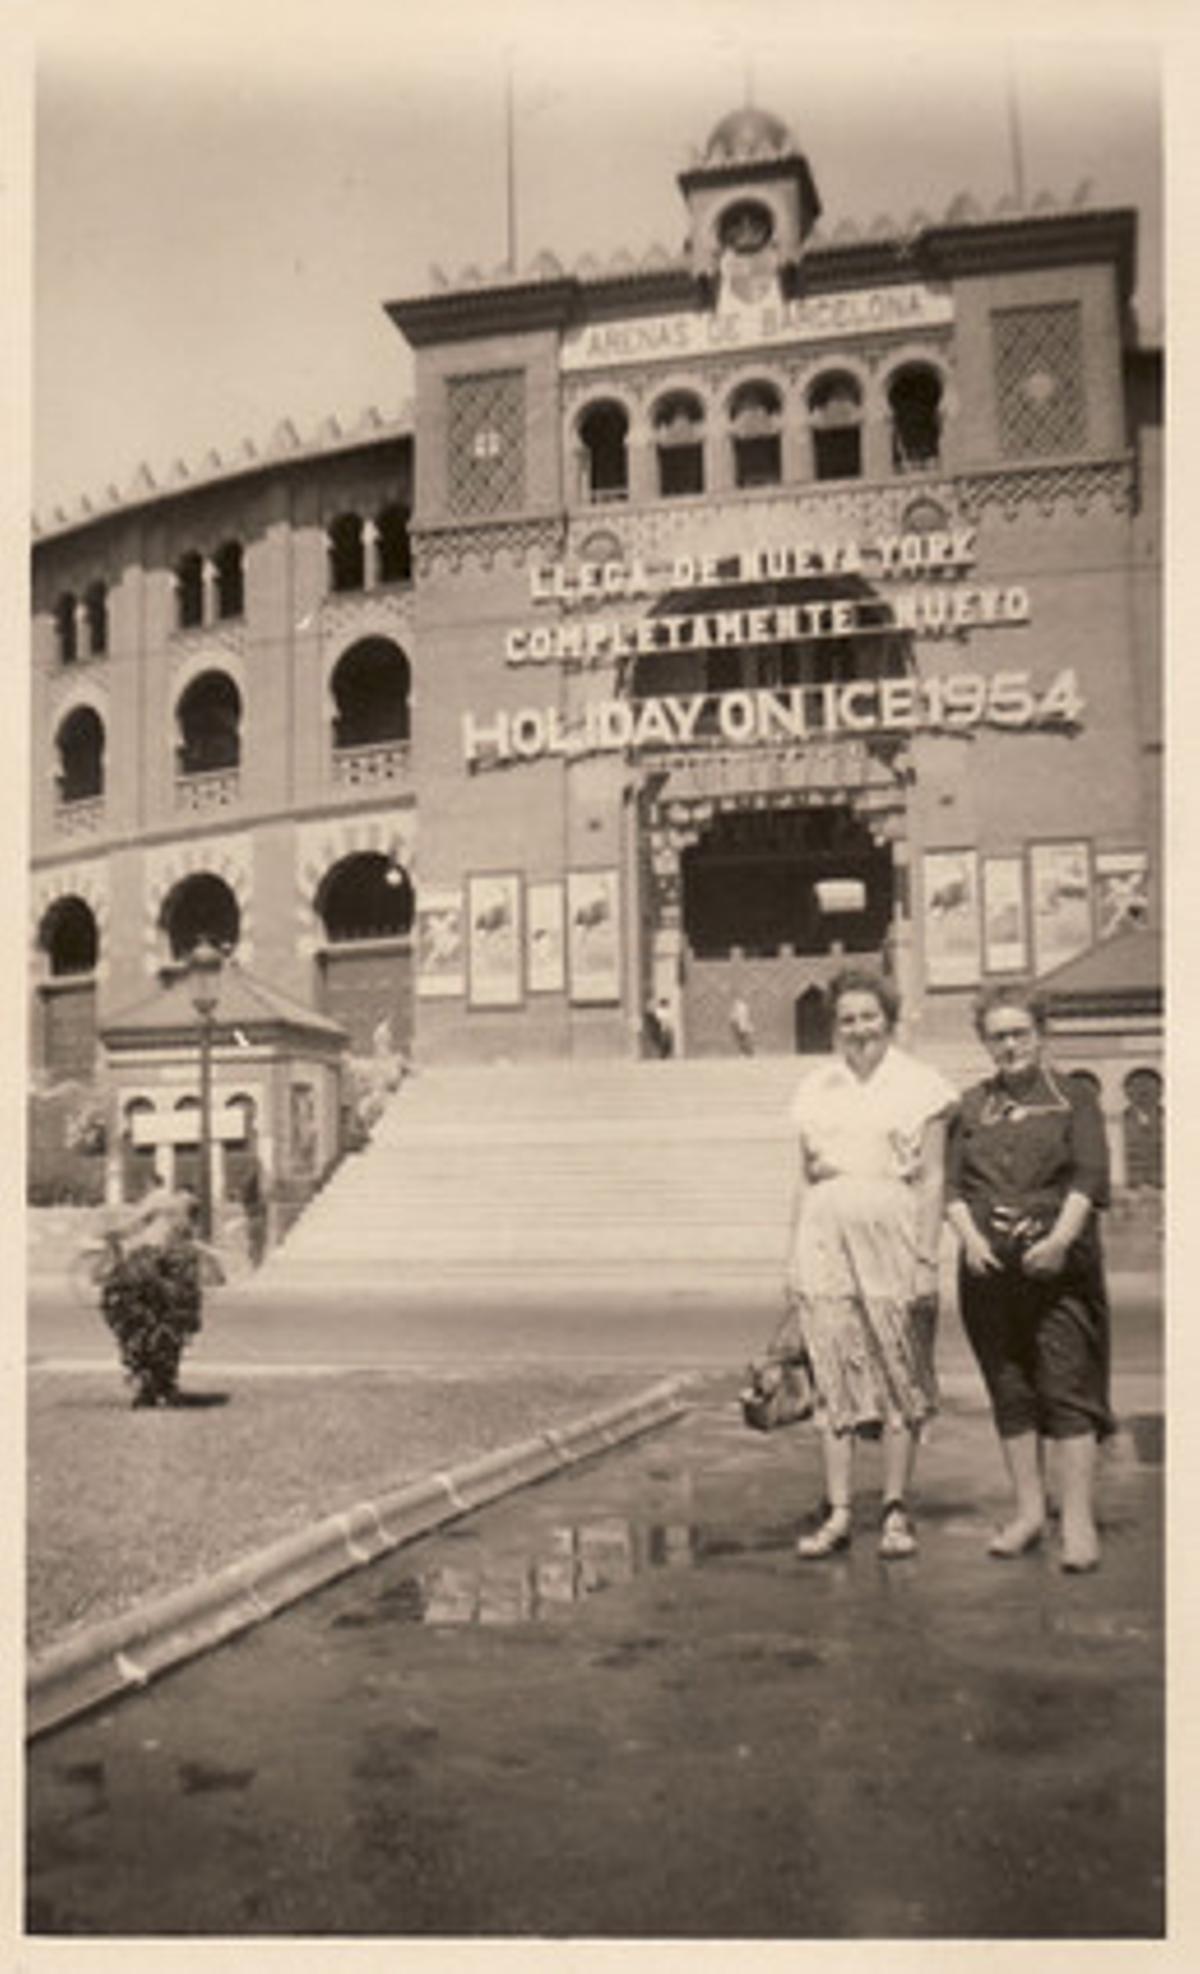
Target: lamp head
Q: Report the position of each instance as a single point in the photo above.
(204, 969)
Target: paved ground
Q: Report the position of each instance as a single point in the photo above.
(618, 1706)
(670, 1321)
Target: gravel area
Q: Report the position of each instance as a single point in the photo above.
(123, 1505)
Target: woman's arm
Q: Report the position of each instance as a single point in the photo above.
(930, 1193)
(799, 1189)
(1088, 1188)
(1048, 1256)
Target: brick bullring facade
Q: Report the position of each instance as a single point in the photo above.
(712, 616)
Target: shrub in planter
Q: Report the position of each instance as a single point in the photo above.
(151, 1303)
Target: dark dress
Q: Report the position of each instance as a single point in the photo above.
(1042, 1345)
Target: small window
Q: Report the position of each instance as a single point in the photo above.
(347, 559)
(189, 591)
(835, 420)
(395, 545)
(756, 427)
(604, 435)
(915, 397)
(65, 629)
(231, 588)
(96, 611)
(679, 441)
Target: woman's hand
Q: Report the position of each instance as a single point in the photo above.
(925, 1285)
(978, 1254)
(1045, 1258)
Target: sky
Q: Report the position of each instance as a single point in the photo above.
(222, 204)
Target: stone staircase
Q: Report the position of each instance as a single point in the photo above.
(578, 1167)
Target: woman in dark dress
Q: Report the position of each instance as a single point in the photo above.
(1027, 1171)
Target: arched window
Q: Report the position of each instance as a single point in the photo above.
(137, 1161)
(96, 610)
(604, 436)
(915, 397)
(395, 545)
(65, 629)
(209, 715)
(347, 560)
(200, 907)
(80, 743)
(366, 896)
(756, 429)
(231, 588)
(371, 685)
(189, 591)
(69, 938)
(679, 443)
(835, 420)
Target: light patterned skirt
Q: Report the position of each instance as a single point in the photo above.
(853, 1272)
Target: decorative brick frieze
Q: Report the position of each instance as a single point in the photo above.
(215, 642)
(382, 612)
(1082, 485)
(448, 551)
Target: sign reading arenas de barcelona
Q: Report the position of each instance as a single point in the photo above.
(711, 616)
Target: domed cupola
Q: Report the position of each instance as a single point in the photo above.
(746, 135)
(752, 205)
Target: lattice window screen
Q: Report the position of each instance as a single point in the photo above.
(486, 442)
(1039, 379)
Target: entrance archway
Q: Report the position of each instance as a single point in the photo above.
(366, 906)
(775, 896)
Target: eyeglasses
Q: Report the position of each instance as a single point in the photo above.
(996, 1036)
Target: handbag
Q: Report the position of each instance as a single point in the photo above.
(779, 1389)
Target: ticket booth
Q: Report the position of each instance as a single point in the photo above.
(276, 1096)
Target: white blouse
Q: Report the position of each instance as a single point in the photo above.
(868, 1128)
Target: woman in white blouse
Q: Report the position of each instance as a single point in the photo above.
(862, 1257)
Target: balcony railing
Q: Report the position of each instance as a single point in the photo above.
(384, 761)
(199, 794)
(79, 818)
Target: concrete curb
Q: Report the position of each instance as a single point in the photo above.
(125, 1653)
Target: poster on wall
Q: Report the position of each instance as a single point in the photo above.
(302, 1103)
(952, 941)
(439, 937)
(545, 960)
(1005, 938)
(1122, 891)
(593, 943)
(493, 903)
(1062, 902)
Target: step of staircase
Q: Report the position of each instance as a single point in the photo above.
(582, 1166)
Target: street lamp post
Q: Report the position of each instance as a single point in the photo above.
(204, 969)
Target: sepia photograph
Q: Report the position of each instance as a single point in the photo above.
(592, 1017)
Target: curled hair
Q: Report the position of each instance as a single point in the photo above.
(1009, 994)
(864, 980)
